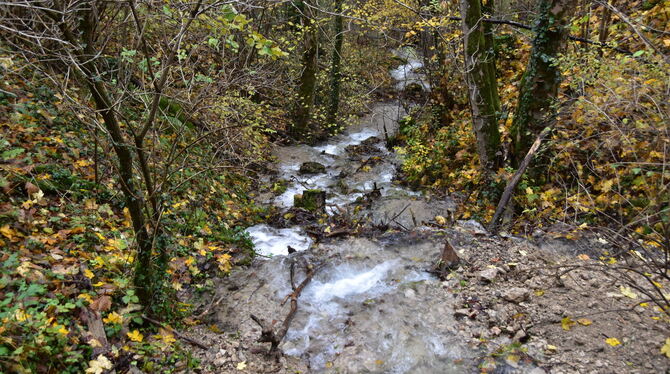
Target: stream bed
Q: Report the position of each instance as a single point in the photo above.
(371, 306)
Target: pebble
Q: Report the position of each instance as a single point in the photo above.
(488, 274)
(516, 294)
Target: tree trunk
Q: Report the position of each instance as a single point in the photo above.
(307, 87)
(143, 279)
(603, 30)
(335, 74)
(541, 80)
(482, 86)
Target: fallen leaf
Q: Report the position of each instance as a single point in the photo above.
(628, 292)
(102, 304)
(241, 365)
(135, 336)
(113, 317)
(99, 365)
(665, 349)
(567, 323)
(612, 341)
(584, 321)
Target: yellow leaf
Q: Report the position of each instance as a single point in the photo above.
(440, 220)
(99, 365)
(612, 341)
(166, 336)
(90, 204)
(135, 336)
(62, 330)
(539, 292)
(113, 317)
(241, 365)
(584, 321)
(567, 323)
(628, 292)
(224, 262)
(665, 349)
(20, 315)
(88, 274)
(94, 343)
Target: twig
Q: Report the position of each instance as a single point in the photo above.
(176, 333)
(511, 185)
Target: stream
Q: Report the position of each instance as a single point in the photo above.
(371, 307)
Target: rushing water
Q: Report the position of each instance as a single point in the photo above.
(371, 307)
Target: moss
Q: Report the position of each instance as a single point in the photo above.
(312, 200)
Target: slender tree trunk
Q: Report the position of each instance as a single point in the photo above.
(335, 73)
(307, 87)
(133, 195)
(603, 30)
(482, 87)
(540, 82)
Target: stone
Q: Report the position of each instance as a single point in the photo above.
(311, 200)
(488, 275)
(519, 336)
(516, 294)
(311, 167)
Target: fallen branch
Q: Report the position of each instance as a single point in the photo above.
(176, 333)
(268, 334)
(511, 185)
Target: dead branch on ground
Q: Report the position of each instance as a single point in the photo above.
(268, 333)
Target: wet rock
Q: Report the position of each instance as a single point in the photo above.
(312, 200)
(488, 275)
(516, 294)
(311, 167)
(472, 227)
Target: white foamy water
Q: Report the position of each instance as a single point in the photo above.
(346, 140)
(269, 241)
(327, 304)
(408, 73)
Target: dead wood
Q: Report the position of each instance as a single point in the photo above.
(511, 185)
(268, 333)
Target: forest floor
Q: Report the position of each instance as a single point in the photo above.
(525, 306)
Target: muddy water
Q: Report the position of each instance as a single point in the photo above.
(371, 307)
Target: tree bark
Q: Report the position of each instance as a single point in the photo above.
(541, 80)
(335, 74)
(482, 85)
(603, 30)
(307, 86)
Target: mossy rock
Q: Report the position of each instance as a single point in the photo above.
(311, 167)
(311, 200)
